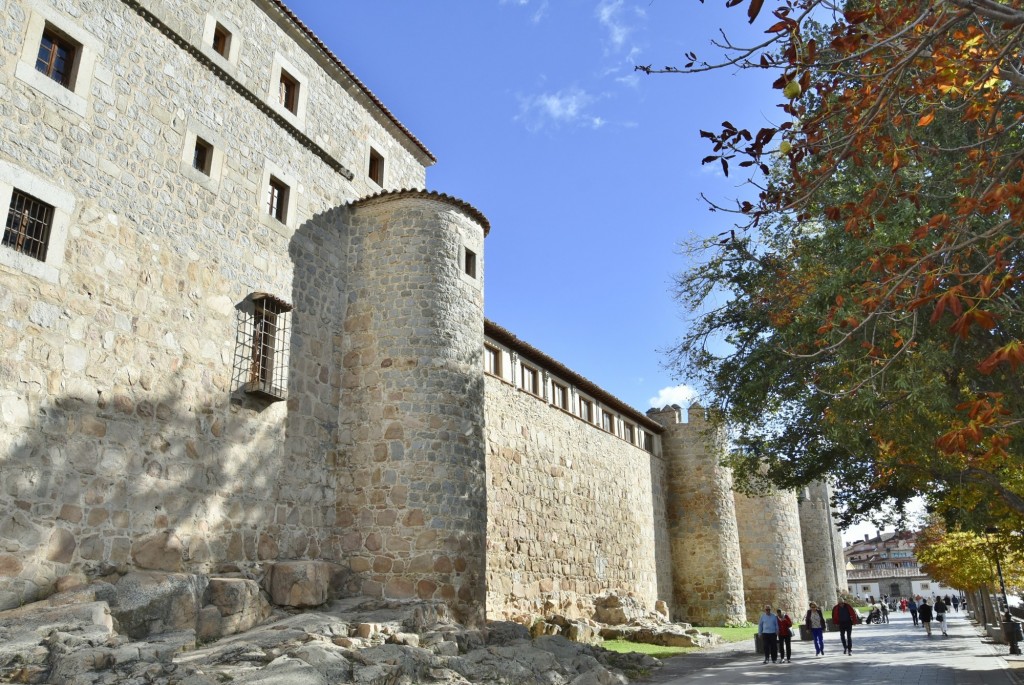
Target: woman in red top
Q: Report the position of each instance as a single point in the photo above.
(785, 636)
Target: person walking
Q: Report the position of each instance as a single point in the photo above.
(844, 616)
(768, 629)
(885, 612)
(940, 615)
(912, 607)
(785, 636)
(925, 612)
(956, 604)
(903, 605)
(816, 622)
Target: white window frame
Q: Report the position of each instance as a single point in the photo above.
(75, 96)
(63, 204)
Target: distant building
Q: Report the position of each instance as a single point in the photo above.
(887, 565)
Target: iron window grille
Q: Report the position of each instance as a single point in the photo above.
(268, 346)
(28, 225)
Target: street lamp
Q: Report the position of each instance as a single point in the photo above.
(1009, 626)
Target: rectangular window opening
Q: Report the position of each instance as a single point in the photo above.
(289, 92)
(470, 264)
(277, 199)
(586, 410)
(268, 347)
(608, 421)
(221, 40)
(28, 225)
(492, 360)
(56, 58)
(376, 171)
(560, 396)
(529, 380)
(628, 433)
(202, 156)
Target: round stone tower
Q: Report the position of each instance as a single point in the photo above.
(825, 569)
(706, 573)
(410, 479)
(772, 552)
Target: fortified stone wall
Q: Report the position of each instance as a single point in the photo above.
(127, 439)
(571, 509)
(706, 567)
(772, 552)
(826, 572)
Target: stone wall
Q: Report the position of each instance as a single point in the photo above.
(826, 571)
(571, 509)
(772, 552)
(126, 437)
(706, 568)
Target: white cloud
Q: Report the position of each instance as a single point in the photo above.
(538, 14)
(565, 107)
(683, 395)
(609, 13)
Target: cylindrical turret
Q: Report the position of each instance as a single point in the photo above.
(411, 496)
(707, 577)
(823, 559)
(772, 551)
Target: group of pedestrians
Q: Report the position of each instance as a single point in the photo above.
(776, 630)
(926, 612)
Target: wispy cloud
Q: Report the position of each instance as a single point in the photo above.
(538, 13)
(683, 395)
(609, 13)
(569, 107)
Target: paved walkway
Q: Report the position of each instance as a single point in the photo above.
(895, 653)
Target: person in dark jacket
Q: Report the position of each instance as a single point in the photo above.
(925, 612)
(940, 615)
(816, 622)
(844, 616)
(912, 606)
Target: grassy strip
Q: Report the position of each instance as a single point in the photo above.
(732, 634)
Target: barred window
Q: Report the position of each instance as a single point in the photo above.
(28, 225)
(56, 57)
(268, 347)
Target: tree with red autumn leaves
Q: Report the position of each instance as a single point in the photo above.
(870, 300)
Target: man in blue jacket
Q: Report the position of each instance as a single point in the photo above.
(768, 628)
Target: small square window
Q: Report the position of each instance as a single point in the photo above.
(289, 92)
(559, 395)
(277, 199)
(28, 225)
(470, 265)
(221, 40)
(56, 57)
(202, 157)
(492, 360)
(376, 171)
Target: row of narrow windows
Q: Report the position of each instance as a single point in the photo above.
(560, 396)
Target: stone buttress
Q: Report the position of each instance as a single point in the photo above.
(823, 559)
(411, 496)
(704, 538)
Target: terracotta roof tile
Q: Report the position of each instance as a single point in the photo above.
(469, 209)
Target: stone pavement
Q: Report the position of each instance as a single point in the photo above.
(895, 653)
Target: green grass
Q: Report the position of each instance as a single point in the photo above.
(731, 634)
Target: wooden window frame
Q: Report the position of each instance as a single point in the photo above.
(288, 91)
(607, 422)
(28, 226)
(629, 432)
(375, 172)
(492, 360)
(586, 410)
(277, 199)
(202, 156)
(48, 65)
(559, 395)
(221, 43)
(526, 371)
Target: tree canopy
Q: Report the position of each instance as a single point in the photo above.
(864, 320)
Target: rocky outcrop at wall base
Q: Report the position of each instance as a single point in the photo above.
(347, 641)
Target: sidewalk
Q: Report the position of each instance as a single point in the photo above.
(895, 653)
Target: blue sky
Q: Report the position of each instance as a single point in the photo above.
(588, 171)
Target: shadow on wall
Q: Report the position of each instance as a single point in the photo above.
(152, 454)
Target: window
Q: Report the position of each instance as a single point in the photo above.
(202, 158)
(559, 395)
(56, 57)
(289, 92)
(607, 421)
(647, 441)
(28, 225)
(529, 379)
(376, 171)
(586, 410)
(221, 40)
(470, 265)
(268, 347)
(492, 360)
(277, 199)
(628, 432)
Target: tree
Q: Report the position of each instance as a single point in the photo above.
(872, 289)
(966, 560)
